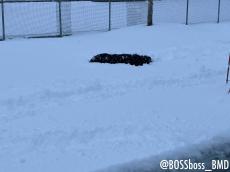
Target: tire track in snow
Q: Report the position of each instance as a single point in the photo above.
(32, 104)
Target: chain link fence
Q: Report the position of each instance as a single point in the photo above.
(56, 18)
(191, 11)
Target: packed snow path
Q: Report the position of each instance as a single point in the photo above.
(60, 113)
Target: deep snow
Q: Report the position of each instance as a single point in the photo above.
(60, 113)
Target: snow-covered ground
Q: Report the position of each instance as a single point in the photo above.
(60, 113)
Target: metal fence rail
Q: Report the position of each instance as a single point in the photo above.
(57, 18)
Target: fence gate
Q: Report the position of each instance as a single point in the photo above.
(169, 11)
(136, 12)
(201, 11)
(89, 16)
(128, 13)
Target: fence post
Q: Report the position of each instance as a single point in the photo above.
(150, 13)
(109, 15)
(60, 18)
(187, 12)
(228, 69)
(3, 20)
(218, 18)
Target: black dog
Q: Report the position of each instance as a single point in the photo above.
(132, 59)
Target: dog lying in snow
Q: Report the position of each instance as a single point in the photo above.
(132, 59)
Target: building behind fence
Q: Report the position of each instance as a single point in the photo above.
(56, 18)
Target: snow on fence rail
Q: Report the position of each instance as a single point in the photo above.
(53, 18)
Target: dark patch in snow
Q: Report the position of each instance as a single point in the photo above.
(203, 153)
(132, 59)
